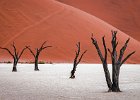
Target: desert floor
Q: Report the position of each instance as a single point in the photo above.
(52, 83)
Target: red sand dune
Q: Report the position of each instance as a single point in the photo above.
(31, 22)
(122, 14)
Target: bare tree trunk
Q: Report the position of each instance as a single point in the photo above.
(115, 65)
(107, 76)
(36, 64)
(76, 60)
(14, 66)
(73, 71)
(104, 61)
(115, 85)
(115, 79)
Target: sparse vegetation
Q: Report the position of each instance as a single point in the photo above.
(41, 62)
(8, 62)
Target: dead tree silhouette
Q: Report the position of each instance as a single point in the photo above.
(76, 60)
(16, 55)
(116, 61)
(37, 53)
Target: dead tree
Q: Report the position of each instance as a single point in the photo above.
(76, 60)
(116, 61)
(16, 56)
(103, 60)
(37, 53)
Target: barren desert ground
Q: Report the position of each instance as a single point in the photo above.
(52, 83)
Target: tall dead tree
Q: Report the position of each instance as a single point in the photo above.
(37, 53)
(76, 60)
(116, 61)
(103, 60)
(16, 56)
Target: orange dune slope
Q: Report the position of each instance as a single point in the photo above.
(122, 14)
(31, 22)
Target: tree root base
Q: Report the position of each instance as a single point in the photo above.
(72, 77)
(36, 69)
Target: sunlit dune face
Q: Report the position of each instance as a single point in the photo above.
(121, 14)
(33, 22)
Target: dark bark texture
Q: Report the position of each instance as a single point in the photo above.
(16, 56)
(117, 61)
(103, 60)
(77, 59)
(37, 53)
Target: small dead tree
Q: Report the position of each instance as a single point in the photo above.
(37, 53)
(116, 61)
(16, 55)
(76, 60)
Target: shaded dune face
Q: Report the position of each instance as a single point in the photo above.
(33, 22)
(123, 15)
